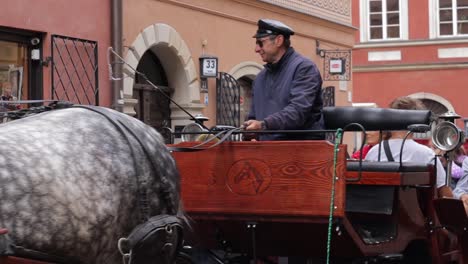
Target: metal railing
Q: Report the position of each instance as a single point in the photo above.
(228, 101)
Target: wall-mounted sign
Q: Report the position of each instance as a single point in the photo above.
(208, 67)
(336, 66)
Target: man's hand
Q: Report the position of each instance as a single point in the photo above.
(253, 125)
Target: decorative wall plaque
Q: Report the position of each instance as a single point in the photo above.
(337, 65)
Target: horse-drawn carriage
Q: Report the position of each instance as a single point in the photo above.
(246, 200)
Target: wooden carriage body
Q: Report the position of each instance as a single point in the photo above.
(229, 189)
(286, 188)
(274, 198)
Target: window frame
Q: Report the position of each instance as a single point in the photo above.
(35, 72)
(435, 18)
(365, 22)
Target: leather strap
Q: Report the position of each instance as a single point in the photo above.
(156, 241)
(225, 135)
(387, 150)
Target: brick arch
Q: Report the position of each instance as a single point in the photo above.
(167, 44)
(247, 68)
(434, 97)
(250, 70)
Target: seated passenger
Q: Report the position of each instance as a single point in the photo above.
(412, 151)
(461, 189)
(372, 138)
(457, 171)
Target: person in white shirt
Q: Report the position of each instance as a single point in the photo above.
(412, 151)
(461, 189)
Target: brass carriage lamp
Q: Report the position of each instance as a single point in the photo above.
(449, 116)
(448, 137)
(192, 131)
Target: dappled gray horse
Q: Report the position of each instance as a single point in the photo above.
(74, 181)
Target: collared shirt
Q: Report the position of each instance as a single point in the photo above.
(412, 152)
(287, 95)
(462, 184)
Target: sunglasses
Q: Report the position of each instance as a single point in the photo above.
(259, 42)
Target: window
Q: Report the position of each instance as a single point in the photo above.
(13, 61)
(383, 20)
(18, 70)
(452, 17)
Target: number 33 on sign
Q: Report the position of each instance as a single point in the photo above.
(209, 67)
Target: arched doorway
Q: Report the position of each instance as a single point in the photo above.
(437, 104)
(245, 73)
(436, 107)
(161, 53)
(153, 106)
(245, 83)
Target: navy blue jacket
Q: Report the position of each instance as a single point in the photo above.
(287, 95)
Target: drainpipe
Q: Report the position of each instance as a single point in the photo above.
(116, 41)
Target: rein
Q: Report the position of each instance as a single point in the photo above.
(155, 238)
(17, 114)
(142, 184)
(220, 136)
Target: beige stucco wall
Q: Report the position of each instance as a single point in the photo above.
(222, 28)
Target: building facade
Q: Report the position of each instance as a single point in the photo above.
(171, 35)
(412, 48)
(56, 50)
(105, 52)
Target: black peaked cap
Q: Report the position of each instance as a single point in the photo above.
(268, 27)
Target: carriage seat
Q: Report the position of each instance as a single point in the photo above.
(374, 118)
(380, 119)
(385, 166)
(370, 198)
(376, 182)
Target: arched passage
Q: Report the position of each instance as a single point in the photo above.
(166, 44)
(245, 73)
(437, 104)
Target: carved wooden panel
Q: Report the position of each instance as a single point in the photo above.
(281, 180)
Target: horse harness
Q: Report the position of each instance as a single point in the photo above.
(156, 240)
